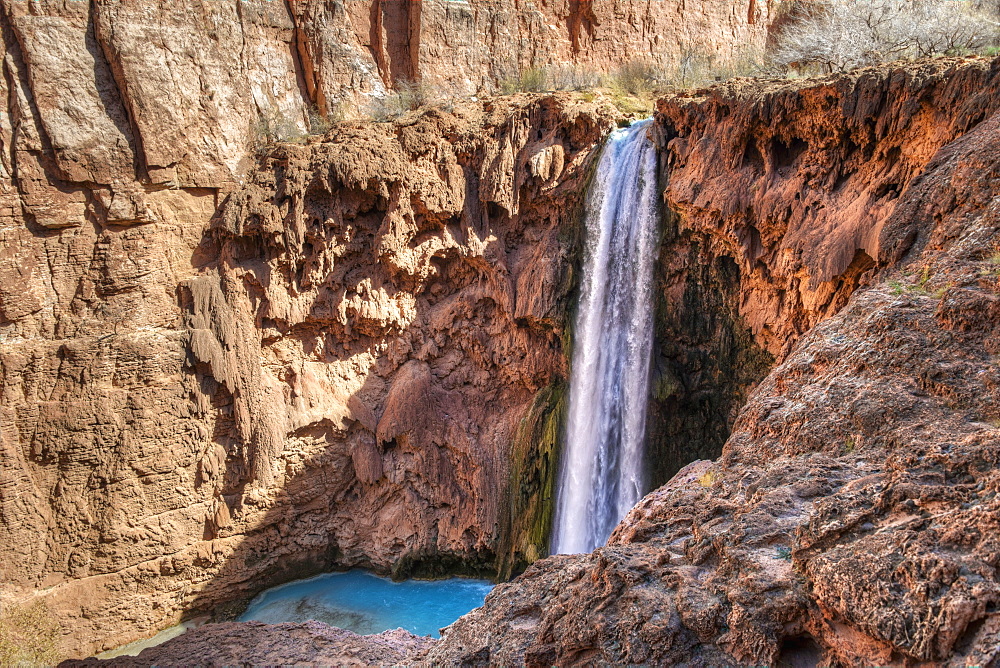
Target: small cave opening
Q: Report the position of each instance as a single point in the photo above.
(784, 154)
(799, 652)
(705, 359)
(752, 157)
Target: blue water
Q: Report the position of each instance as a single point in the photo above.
(364, 603)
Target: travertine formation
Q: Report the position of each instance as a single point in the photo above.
(852, 518)
(334, 374)
(225, 363)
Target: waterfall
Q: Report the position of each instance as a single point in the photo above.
(601, 475)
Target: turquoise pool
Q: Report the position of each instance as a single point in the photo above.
(365, 603)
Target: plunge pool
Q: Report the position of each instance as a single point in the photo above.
(364, 603)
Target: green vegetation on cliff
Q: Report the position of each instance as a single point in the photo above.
(533, 474)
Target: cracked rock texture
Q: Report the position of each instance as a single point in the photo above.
(224, 365)
(255, 644)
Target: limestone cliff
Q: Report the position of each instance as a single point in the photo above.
(225, 363)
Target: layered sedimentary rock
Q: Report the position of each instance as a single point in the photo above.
(470, 46)
(852, 516)
(224, 364)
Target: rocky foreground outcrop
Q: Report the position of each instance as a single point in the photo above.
(256, 644)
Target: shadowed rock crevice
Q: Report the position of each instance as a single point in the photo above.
(705, 359)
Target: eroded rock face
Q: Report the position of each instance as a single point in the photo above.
(256, 644)
(851, 518)
(190, 335)
(330, 373)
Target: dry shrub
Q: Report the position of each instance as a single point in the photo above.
(635, 77)
(840, 35)
(408, 95)
(573, 77)
(531, 80)
(413, 94)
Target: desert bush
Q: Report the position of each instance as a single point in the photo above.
(840, 35)
(531, 80)
(573, 77)
(383, 108)
(534, 80)
(635, 77)
(413, 94)
(274, 126)
(951, 28)
(409, 95)
(278, 126)
(320, 123)
(29, 636)
(694, 67)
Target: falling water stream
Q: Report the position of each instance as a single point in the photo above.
(601, 476)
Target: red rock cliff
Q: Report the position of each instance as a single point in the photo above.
(212, 361)
(852, 517)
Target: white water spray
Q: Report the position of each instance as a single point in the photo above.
(601, 475)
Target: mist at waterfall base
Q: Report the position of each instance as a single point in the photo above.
(601, 475)
(364, 603)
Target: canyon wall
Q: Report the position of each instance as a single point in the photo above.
(330, 372)
(851, 519)
(225, 362)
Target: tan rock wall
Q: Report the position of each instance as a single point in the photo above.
(330, 373)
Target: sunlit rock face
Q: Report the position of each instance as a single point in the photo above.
(851, 517)
(192, 322)
(182, 351)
